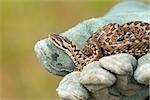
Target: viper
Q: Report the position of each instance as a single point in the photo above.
(132, 37)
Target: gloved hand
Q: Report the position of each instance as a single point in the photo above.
(113, 77)
(110, 78)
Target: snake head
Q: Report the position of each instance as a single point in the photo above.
(60, 42)
(56, 39)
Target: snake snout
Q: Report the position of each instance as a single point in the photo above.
(56, 39)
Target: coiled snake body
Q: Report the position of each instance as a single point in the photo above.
(132, 37)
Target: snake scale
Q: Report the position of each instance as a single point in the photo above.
(132, 37)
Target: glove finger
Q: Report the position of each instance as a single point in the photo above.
(94, 77)
(71, 89)
(121, 64)
(142, 74)
(52, 58)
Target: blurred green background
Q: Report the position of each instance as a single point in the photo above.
(23, 23)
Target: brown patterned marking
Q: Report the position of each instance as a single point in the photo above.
(132, 37)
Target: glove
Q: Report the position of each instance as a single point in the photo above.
(110, 78)
(116, 77)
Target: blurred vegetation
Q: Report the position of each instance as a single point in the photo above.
(23, 23)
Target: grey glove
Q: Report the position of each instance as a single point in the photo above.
(116, 77)
(110, 78)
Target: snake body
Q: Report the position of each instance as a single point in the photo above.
(132, 37)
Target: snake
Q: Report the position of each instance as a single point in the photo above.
(132, 37)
